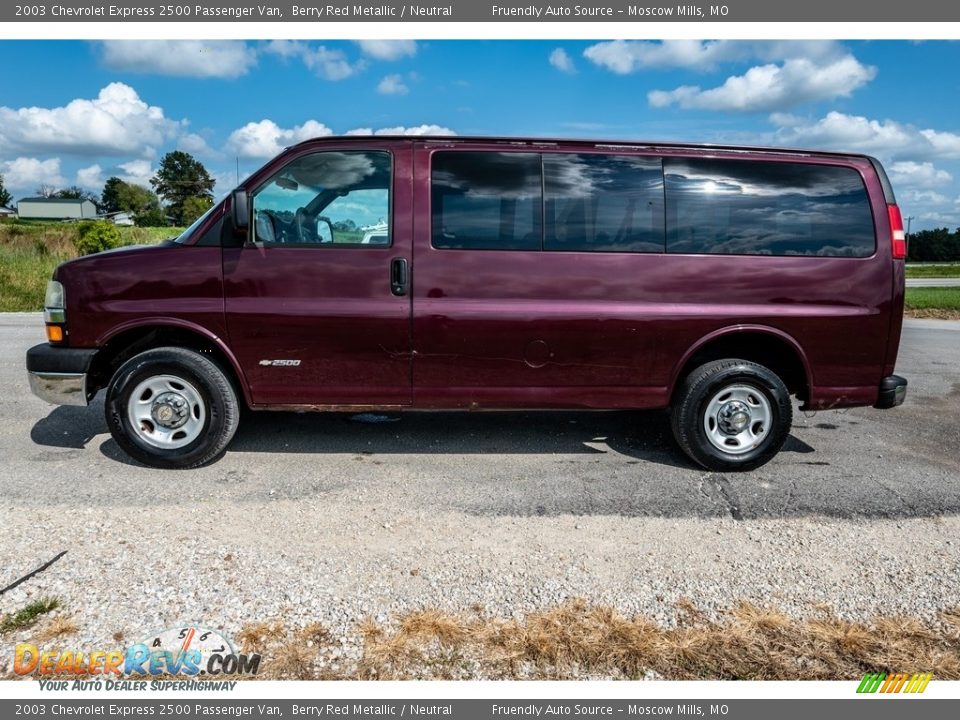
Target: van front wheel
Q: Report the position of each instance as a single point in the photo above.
(171, 408)
(731, 415)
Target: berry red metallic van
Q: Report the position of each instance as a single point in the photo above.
(391, 273)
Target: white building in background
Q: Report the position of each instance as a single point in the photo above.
(41, 208)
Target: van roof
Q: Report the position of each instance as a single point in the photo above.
(599, 144)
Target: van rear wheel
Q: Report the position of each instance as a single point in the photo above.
(731, 415)
(171, 408)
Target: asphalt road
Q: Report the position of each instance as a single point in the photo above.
(326, 515)
(835, 463)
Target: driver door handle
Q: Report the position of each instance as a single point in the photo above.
(399, 276)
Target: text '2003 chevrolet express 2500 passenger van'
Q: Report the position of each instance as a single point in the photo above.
(470, 273)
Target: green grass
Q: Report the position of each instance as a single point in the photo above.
(28, 615)
(29, 251)
(947, 298)
(933, 271)
(23, 277)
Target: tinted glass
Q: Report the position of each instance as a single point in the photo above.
(326, 199)
(486, 200)
(766, 208)
(610, 203)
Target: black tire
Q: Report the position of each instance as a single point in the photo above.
(217, 412)
(706, 384)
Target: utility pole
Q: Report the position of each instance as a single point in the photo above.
(909, 220)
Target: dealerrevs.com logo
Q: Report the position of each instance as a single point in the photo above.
(190, 651)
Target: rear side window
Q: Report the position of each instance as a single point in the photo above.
(486, 200)
(603, 203)
(737, 207)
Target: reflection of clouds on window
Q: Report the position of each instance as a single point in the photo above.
(364, 207)
(277, 198)
(486, 200)
(764, 208)
(766, 179)
(603, 203)
(335, 170)
(512, 176)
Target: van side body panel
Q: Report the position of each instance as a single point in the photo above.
(599, 330)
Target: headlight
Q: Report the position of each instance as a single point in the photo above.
(54, 303)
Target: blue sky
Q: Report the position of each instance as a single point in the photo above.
(77, 112)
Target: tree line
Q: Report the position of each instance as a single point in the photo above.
(934, 245)
(181, 181)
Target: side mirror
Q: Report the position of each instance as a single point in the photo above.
(324, 230)
(240, 202)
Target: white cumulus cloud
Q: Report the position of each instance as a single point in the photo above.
(562, 61)
(137, 172)
(888, 139)
(918, 174)
(392, 85)
(401, 130)
(26, 174)
(772, 87)
(628, 56)
(90, 178)
(265, 139)
(325, 62)
(185, 58)
(195, 145)
(388, 49)
(116, 122)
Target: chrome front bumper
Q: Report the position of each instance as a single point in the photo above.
(61, 375)
(59, 388)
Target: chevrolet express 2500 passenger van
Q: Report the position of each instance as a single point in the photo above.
(389, 273)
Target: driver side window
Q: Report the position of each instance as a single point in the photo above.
(326, 199)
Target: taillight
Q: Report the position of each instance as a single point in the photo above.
(898, 240)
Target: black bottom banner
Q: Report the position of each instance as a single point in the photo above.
(873, 707)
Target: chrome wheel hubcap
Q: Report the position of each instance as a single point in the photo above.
(166, 412)
(737, 419)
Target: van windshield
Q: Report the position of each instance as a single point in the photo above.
(188, 233)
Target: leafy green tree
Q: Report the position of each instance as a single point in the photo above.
(181, 176)
(194, 207)
(5, 197)
(110, 197)
(121, 196)
(153, 217)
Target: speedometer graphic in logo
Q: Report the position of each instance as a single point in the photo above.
(187, 648)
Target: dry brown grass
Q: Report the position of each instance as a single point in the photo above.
(57, 627)
(932, 313)
(576, 640)
(315, 632)
(291, 660)
(254, 638)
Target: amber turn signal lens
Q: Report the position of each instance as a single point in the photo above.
(54, 333)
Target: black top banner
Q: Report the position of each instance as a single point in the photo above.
(306, 11)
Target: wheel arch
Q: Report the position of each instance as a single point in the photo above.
(761, 344)
(124, 341)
